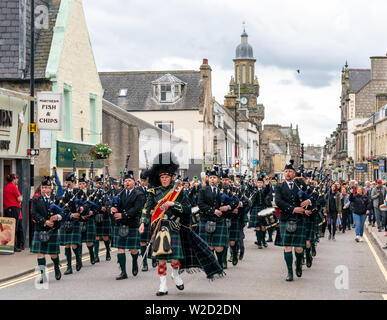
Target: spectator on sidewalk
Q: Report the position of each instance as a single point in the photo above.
(332, 210)
(371, 217)
(12, 208)
(377, 195)
(361, 205)
(345, 212)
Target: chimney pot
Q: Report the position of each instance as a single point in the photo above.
(205, 61)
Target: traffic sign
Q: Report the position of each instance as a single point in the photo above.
(33, 152)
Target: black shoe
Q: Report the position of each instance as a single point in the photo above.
(234, 260)
(144, 268)
(159, 293)
(289, 277)
(260, 247)
(92, 259)
(256, 242)
(269, 240)
(314, 252)
(122, 276)
(309, 260)
(154, 263)
(22, 247)
(108, 258)
(135, 268)
(58, 274)
(265, 244)
(17, 249)
(68, 271)
(241, 254)
(299, 271)
(97, 260)
(79, 265)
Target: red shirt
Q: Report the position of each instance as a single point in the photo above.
(10, 195)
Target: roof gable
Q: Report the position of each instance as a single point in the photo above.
(358, 78)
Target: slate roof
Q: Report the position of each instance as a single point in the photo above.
(140, 91)
(276, 149)
(11, 42)
(358, 78)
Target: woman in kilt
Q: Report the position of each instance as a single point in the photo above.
(45, 222)
(127, 213)
(70, 232)
(104, 227)
(291, 217)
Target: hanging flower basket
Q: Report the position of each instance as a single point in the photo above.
(100, 151)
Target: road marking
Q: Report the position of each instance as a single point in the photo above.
(381, 266)
(34, 275)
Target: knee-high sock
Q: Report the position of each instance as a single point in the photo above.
(107, 245)
(96, 248)
(259, 236)
(234, 249)
(91, 251)
(77, 252)
(134, 258)
(80, 247)
(329, 228)
(307, 253)
(68, 257)
(263, 236)
(42, 264)
(289, 261)
(145, 259)
(219, 255)
(225, 250)
(299, 258)
(121, 257)
(56, 262)
(270, 232)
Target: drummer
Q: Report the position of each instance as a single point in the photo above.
(259, 202)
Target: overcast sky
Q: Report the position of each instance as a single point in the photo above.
(316, 37)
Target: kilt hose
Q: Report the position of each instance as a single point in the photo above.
(50, 247)
(177, 249)
(91, 231)
(104, 228)
(131, 241)
(146, 235)
(295, 239)
(234, 232)
(254, 220)
(219, 238)
(73, 237)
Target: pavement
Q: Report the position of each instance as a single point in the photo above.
(378, 239)
(20, 263)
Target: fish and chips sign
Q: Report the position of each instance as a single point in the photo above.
(49, 111)
(7, 235)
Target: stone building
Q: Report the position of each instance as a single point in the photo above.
(64, 63)
(364, 92)
(312, 157)
(280, 144)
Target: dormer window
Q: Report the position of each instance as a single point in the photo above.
(123, 92)
(167, 89)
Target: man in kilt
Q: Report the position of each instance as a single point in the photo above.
(102, 221)
(169, 211)
(146, 235)
(292, 212)
(127, 213)
(46, 222)
(258, 203)
(233, 228)
(87, 223)
(70, 232)
(212, 225)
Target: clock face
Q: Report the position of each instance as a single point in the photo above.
(244, 100)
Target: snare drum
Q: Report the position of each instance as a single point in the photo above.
(269, 217)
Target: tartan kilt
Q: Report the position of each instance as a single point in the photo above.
(309, 230)
(177, 249)
(219, 238)
(104, 228)
(73, 237)
(296, 239)
(234, 232)
(90, 233)
(50, 247)
(254, 220)
(131, 241)
(146, 235)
